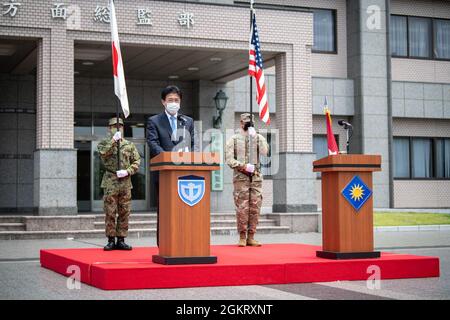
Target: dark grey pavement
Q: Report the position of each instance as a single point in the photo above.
(21, 276)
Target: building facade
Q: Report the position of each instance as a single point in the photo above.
(384, 66)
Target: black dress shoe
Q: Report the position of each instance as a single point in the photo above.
(121, 245)
(111, 245)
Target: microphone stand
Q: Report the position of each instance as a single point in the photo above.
(183, 122)
(349, 131)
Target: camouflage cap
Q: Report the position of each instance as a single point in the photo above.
(245, 117)
(113, 121)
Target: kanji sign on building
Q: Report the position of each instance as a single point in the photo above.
(11, 8)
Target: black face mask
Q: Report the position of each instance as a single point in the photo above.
(247, 125)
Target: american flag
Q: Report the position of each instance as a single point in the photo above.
(255, 69)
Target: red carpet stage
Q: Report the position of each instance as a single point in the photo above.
(269, 264)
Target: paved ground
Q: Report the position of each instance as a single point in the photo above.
(21, 276)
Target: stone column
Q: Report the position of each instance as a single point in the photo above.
(367, 66)
(55, 159)
(294, 183)
(204, 110)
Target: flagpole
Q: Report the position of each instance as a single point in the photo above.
(117, 125)
(251, 86)
(118, 130)
(117, 118)
(250, 158)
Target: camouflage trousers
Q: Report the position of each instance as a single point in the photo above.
(247, 214)
(110, 200)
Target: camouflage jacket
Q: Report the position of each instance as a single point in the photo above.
(237, 155)
(129, 160)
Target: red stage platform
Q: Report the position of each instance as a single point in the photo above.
(269, 264)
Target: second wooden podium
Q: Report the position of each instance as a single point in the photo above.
(347, 205)
(184, 206)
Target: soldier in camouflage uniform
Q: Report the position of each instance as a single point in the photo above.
(116, 184)
(247, 178)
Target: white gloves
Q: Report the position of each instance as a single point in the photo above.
(250, 168)
(122, 173)
(117, 136)
(251, 132)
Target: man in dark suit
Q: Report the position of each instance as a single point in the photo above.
(169, 131)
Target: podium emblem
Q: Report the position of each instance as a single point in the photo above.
(356, 193)
(191, 189)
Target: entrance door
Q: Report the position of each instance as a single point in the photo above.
(139, 180)
(83, 175)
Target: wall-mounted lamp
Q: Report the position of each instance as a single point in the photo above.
(221, 100)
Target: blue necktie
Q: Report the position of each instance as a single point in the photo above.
(173, 123)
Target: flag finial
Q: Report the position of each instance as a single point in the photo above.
(326, 110)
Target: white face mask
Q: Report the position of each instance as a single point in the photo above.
(172, 107)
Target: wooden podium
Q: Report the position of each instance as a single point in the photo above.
(347, 205)
(184, 220)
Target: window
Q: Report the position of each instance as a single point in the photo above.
(442, 159)
(399, 42)
(401, 158)
(320, 146)
(419, 37)
(419, 31)
(442, 39)
(421, 158)
(266, 161)
(324, 31)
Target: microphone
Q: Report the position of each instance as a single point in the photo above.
(345, 124)
(182, 119)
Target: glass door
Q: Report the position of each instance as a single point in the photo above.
(83, 175)
(139, 180)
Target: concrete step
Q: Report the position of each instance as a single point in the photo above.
(214, 223)
(232, 223)
(12, 226)
(133, 233)
(11, 219)
(152, 216)
(133, 217)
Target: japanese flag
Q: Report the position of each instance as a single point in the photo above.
(119, 77)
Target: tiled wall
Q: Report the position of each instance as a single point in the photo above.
(420, 100)
(421, 194)
(339, 93)
(17, 141)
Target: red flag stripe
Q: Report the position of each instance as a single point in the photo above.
(115, 56)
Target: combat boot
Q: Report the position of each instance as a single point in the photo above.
(242, 241)
(121, 245)
(111, 245)
(252, 242)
